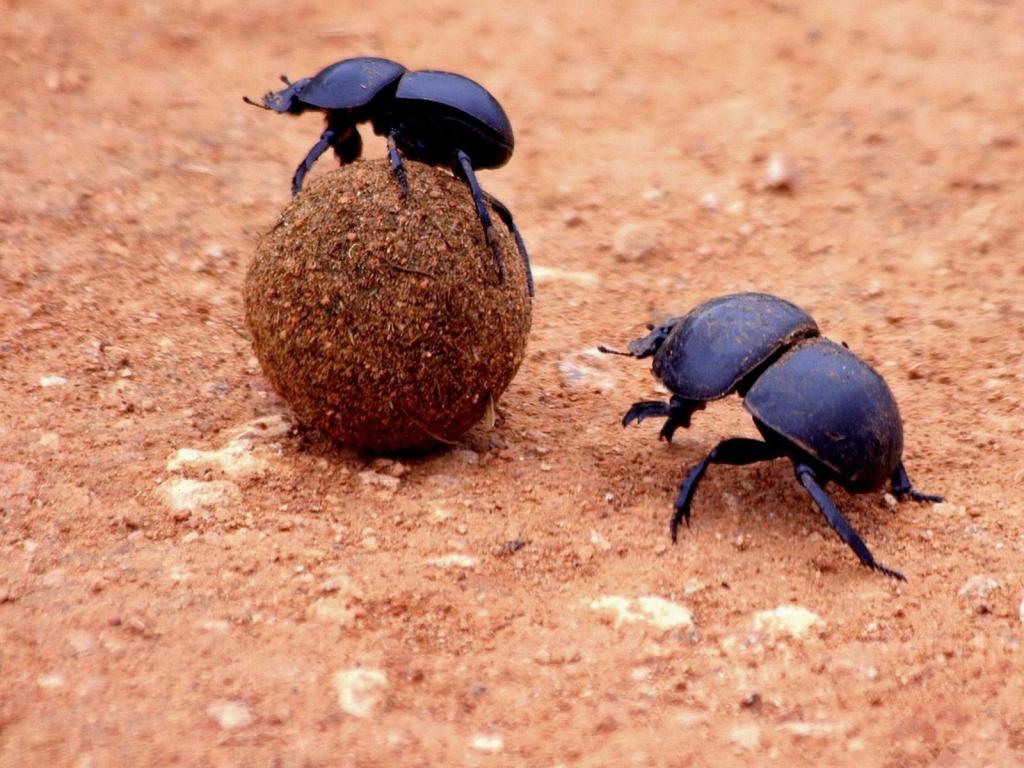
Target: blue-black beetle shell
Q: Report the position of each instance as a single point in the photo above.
(346, 84)
(711, 349)
(461, 113)
(834, 407)
(350, 83)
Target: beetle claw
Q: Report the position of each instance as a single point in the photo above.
(888, 572)
(901, 486)
(645, 409)
(916, 496)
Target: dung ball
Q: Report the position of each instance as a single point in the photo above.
(381, 320)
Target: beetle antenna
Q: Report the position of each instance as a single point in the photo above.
(610, 351)
(247, 100)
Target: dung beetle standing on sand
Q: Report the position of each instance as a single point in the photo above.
(437, 118)
(813, 401)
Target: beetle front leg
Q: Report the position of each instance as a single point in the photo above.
(318, 149)
(677, 411)
(901, 486)
(646, 409)
(680, 412)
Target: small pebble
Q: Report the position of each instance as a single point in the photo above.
(979, 585)
(804, 730)
(466, 456)
(747, 736)
(375, 479)
(230, 715)
(217, 626)
(487, 742)
(635, 241)
(454, 560)
(186, 495)
(787, 621)
(51, 681)
(81, 642)
(360, 690)
(561, 654)
(656, 611)
(340, 611)
(510, 547)
(780, 174)
(586, 369)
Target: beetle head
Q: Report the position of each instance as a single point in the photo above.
(651, 343)
(285, 100)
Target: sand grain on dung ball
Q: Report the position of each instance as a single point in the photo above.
(380, 320)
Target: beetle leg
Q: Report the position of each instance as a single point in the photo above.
(901, 486)
(736, 451)
(824, 502)
(677, 410)
(679, 414)
(646, 409)
(347, 143)
(469, 176)
(311, 157)
(506, 216)
(396, 165)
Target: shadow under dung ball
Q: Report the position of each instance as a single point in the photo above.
(382, 321)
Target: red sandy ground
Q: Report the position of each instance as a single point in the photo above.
(134, 185)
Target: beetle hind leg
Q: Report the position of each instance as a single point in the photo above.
(809, 480)
(396, 165)
(901, 486)
(736, 451)
(506, 216)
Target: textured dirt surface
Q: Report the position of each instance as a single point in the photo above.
(185, 579)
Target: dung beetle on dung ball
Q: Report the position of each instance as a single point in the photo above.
(813, 401)
(432, 117)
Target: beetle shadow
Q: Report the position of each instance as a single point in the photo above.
(747, 496)
(312, 442)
